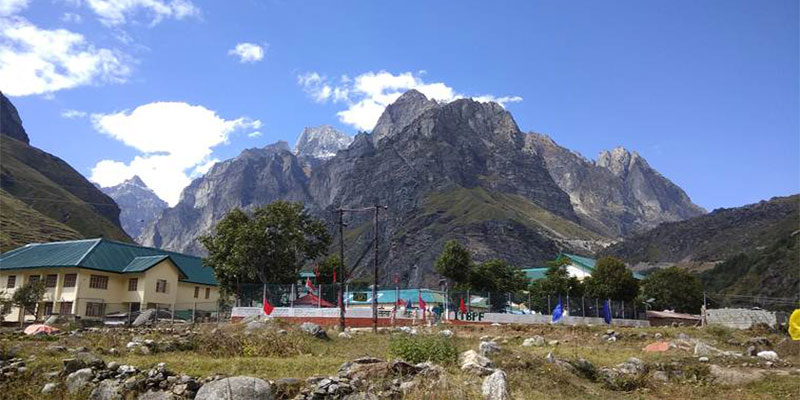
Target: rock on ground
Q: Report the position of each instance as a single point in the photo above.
(474, 363)
(78, 379)
(488, 348)
(536, 341)
(768, 355)
(236, 388)
(731, 376)
(495, 386)
(314, 330)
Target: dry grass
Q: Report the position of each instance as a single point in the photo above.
(269, 355)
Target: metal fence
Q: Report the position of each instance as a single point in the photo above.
(97, 311)
(360, 295)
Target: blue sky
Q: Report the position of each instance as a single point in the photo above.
(706, 91)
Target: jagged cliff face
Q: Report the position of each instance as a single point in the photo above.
(10, 123)
(321, 142)
(618, 195)
(139, 204)
(256, 177)
(461, 170)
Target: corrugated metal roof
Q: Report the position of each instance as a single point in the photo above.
(102, 255)
(143, 263)
(390, 296)
(55, 254)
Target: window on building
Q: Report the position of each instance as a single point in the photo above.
(12, 281)
(161, 286)
(48, 308)
(98, 282)
(94, 309)
(133, 284)
(34, 278)
(65, 308)
(70, 280)
(196, 292)
(208, 292)
(50, 280)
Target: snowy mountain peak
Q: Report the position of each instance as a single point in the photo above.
(321, 142)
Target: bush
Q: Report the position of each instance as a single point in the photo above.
(421, 348)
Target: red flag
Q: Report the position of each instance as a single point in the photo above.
(422, 304)
(267, 307)
(462, 307)
(401, 302)
(309, 285)
(334, 275)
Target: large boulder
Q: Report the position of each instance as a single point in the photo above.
(474, 363)
(109, 389)
(236, 388)
(144, 316)
(79, 379)
(495, 386)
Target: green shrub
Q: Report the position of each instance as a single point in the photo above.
(421, 348)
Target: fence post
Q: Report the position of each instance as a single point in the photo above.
(130, 311)
(583, 305)
(568, 310)
(530, 305)
(549, 308)
(218, 312)
(489, 301)
(597, 307)
(623, 308)
(319, 298)
(469, 302)
(155, 315)
(172, 315)
(194, 312)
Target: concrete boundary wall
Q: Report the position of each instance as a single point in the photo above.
(363, 317)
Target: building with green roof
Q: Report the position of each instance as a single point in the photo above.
(577, 266)
(91, 278)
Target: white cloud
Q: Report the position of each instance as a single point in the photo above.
(11, 7)
(118, 12)
(71, 18)
(73, 114)
(368, 94)
(247, 52)
(42, 61)
(174, 138)
(254, 134)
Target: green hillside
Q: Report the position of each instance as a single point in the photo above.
(20, 224)
(53, 188)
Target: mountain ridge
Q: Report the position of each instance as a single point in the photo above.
(459, 170)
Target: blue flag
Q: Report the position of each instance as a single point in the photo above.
(409, 304)
(606, 312)
(558, 311)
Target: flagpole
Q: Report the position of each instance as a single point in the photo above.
(264, 297)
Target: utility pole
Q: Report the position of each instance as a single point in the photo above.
(375, 280)
(342, 276)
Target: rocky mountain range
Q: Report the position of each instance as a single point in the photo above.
(139, 204)
(617, 195)
(460, 170)
(42, 198)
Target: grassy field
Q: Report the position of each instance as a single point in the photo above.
(226, 350)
